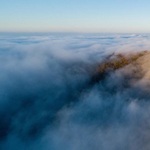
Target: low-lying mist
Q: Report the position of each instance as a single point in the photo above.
(49, 100)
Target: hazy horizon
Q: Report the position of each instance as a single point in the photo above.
(75, 16)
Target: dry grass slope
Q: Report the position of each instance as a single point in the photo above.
(114, 62)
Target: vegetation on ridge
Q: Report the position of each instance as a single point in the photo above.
(114, 62)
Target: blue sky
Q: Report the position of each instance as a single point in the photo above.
(75, 16)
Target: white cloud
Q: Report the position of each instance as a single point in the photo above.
(46, 101)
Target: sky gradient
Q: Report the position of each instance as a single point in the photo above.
(75, 16)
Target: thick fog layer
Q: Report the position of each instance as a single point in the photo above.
(47, 103)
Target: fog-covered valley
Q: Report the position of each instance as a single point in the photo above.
(48, 102)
